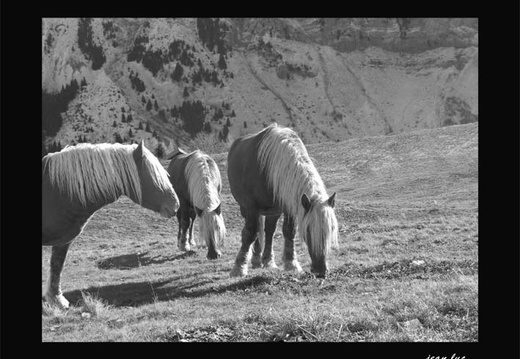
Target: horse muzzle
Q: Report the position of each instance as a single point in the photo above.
(213, 254)
(319, 270)
(167, 211)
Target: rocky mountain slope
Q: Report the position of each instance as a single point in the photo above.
(200, 80)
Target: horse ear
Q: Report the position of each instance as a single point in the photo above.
(217, 210)
(332, 200)
(306, 203)
(198, 211)
(139, 150)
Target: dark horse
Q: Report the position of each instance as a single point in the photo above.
(196, 180)
(270, 173)
(79, 180)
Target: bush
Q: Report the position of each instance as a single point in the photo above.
(210, 143)
(160, 151)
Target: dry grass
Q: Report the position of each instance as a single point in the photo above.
(406, 268)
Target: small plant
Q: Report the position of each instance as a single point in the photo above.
(94, 306)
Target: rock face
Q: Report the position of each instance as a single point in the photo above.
(410, 35)
(329, 79)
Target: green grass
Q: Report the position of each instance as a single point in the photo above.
(408, 252)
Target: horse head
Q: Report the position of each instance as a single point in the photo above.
(212, 229)
(157, 192)
(319, 230)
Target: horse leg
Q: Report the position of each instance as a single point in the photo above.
(193, 216)
(249, 235)
(184, 222)
(256, 260)
(289, 254)
(180, 229)
(53, 293)
(268, 256)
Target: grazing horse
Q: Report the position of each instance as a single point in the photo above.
(270, 173)
(196, 180)
(79, 180)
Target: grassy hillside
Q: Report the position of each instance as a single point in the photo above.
(406, 268)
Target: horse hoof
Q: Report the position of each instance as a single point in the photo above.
(293, 266)
(256, 263)
(238, 272)
(214, 255)
(184, 247)
(270, 265)
(57, 300)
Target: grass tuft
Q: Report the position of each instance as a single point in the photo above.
(93, 305)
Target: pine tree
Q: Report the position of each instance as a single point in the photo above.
(118, 138)
(178, 72)
(207, 127)
(222, 62)
(225, 133)
(160, 151)
(149, 105)
(148, 129)
(130, 133)
(114, 124)
(129, 118)
(123, 118)
(140, 127)
(185, 93)
(156, 106)
(143, 100)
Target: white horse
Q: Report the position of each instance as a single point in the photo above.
(270, 173)
(79, 180)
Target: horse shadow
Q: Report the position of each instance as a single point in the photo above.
(146, 292)
(134, 260)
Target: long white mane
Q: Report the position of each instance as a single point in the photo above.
(290, 171)
(96, 173)
(203, 178)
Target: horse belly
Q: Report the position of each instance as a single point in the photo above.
(249, 186)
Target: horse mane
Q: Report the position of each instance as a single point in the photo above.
(201, 174)
(96, 173)
(290, 172)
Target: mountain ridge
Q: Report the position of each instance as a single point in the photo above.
(398, 76)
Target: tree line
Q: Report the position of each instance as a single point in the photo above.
(212, 33)
(154, 60)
